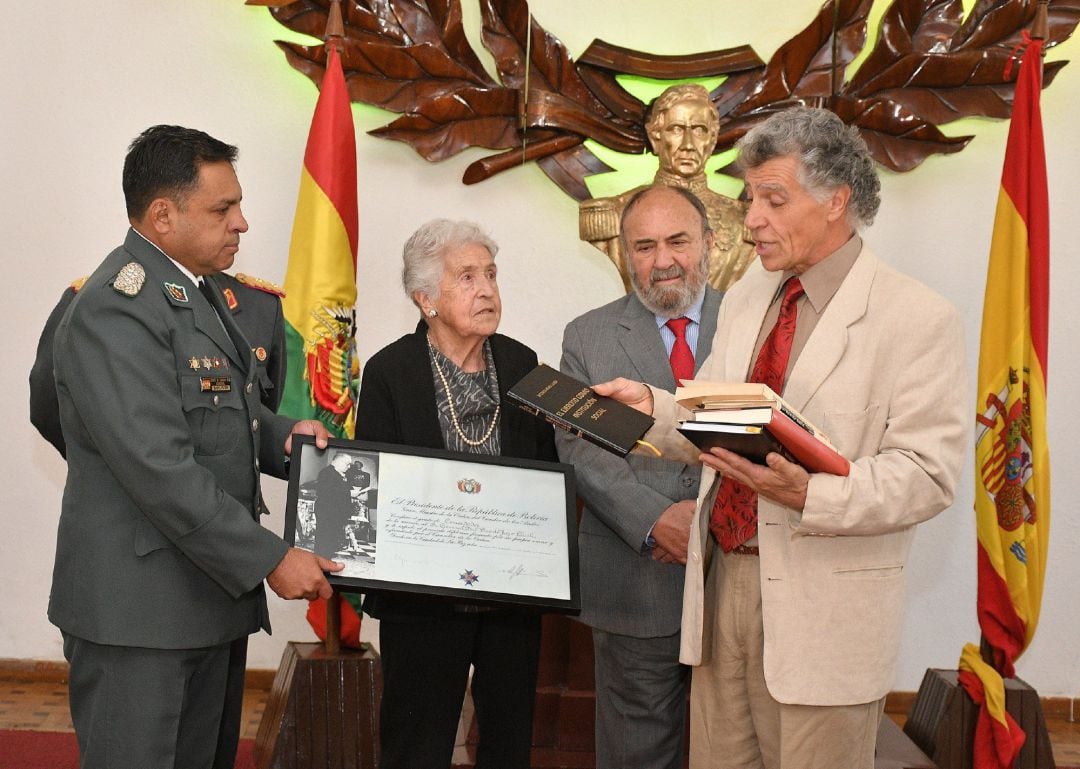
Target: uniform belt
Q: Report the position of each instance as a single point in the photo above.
(745, 550)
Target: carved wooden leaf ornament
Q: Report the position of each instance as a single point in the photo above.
(929, 65)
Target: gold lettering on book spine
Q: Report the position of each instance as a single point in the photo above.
(572, 402)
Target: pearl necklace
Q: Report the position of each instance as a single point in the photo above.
(450, 402)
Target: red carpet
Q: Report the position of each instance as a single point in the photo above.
(58, 750)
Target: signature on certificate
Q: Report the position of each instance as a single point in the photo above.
(519, 570)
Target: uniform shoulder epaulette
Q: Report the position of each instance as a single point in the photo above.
(262, 285)
(77, 284)
(129, 281)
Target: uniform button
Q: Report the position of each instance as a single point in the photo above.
(254, 425)
(248, 388)
(687, 482)
(217, 399)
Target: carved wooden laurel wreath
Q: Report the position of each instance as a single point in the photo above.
(929, 66)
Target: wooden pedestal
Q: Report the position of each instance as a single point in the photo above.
(942, 722)
(323, 711)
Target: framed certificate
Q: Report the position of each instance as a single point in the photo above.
(466, 526)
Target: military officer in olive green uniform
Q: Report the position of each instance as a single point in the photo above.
(256, 307)
(160, 558)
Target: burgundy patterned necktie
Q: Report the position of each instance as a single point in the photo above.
(682, 360)
(734, 514)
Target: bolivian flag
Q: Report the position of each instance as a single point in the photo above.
(320, 290)
(1012, 461)
(320, 280)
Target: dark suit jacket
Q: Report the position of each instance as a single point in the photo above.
(257, 313)
(397, 405)
(623, 590)
(159, 544)
(333, 508)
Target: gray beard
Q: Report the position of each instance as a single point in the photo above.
(671, 302)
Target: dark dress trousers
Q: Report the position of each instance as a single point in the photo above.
(159, 548)
(427, 644)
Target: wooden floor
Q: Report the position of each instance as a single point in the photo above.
(43, 706)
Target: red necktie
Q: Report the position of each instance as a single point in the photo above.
(682, 360)
(734, 515)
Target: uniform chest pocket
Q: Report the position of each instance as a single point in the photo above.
(215, 412)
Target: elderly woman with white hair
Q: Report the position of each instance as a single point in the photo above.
(444, 386)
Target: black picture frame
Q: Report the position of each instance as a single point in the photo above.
(349, 501)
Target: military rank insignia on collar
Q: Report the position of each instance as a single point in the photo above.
(129, 281)
(230, 298)
(177, 292)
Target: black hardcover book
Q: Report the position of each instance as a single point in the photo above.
(748, 441)
(572, 406)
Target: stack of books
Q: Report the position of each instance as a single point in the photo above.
(751, 420)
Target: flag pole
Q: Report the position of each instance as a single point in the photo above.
(334, 38)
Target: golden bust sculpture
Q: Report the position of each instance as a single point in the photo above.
(682, 129)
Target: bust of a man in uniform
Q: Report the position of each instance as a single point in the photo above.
(682, 128)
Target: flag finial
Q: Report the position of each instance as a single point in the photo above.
(335, 27)
(1040, 26)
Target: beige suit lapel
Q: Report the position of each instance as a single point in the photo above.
(746, 317)
(826, 344)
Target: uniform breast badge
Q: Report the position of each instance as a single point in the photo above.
(215, 384)
(129, 281)
(177, 292)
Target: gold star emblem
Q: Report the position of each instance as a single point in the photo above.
(194, 363)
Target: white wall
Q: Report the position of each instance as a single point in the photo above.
(78, 81)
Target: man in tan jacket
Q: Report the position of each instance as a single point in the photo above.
(794, 588)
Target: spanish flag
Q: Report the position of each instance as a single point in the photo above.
(320, 290)
(1012, 461)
